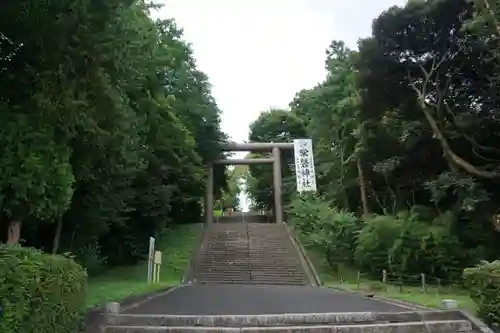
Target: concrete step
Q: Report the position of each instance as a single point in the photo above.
(342, 318)
(410, 327)
(346, 322)
(251, 282)
(265, 275)
(248, 265)
(250, 253)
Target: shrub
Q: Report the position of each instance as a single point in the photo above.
(375, 242)
(325, 227)
(409, 244)
(40, 293)
(89, 257)
(483, 282)
(427, 246)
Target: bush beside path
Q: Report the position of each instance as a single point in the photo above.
(55, 292)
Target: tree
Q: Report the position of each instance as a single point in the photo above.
(109, 126)
(230, 197)
(274, 126)
(432, 78)
(330, 111)
(37, 177)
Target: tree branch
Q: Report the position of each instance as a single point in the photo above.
(452, 158)
(493, 18)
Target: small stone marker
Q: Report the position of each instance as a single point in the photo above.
(113, 307)
(449, 304)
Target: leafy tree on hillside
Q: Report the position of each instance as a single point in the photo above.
(274, 126)
(108, 129)
(406, 129)
(230, 197)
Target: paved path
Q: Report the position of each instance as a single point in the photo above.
(253, 299)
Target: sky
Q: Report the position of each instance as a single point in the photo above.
(259, 53)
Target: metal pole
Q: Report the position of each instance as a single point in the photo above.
(209, 196)
(277, 184)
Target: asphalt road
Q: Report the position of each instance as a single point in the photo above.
(253, 300)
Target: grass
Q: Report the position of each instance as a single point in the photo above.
(177, 245)
(346, 278)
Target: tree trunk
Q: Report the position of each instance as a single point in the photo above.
(449, 154)
(362, 186)
(57, 235)
(14, 232)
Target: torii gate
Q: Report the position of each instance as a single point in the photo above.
(275, 148)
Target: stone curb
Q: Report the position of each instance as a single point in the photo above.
(117, 318)
(150, 297)
(434, 327)
(404, 304)
(479, 325)
(476, 322)
(188, 271)
(96, 316)
(304, 258)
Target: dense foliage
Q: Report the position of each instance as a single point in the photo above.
(107, 126)
(230, 196)
(409, 120)
(405, 136)
(484, 281)
(40, 293)
(272, 126)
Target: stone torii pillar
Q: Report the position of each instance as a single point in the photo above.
(277, 186)
(209, 196)
(275, 148)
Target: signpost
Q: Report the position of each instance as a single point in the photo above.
(157, 264)
(304, 165)
(151, 254)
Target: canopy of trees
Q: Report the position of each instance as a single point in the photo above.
(107, 126)
(230, 196)
(409, 121)
(272, 126)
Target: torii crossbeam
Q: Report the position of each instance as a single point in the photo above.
(275, 148)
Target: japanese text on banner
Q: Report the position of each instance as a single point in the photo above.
(304, 165)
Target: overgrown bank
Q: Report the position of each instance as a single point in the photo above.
(106, 132)
(54, 291)
(405, 133)
(177, 245)
(408, 256)
(107, 128)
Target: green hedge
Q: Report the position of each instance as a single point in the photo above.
(483, 282)
(40, 293)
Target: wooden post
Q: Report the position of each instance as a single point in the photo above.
(358, 279)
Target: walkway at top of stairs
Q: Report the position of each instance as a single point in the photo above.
(219, 299)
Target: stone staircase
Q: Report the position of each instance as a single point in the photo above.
(356, 322)
(249, 253)
(248, 217)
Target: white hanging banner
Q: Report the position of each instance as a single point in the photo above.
(304, 165)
